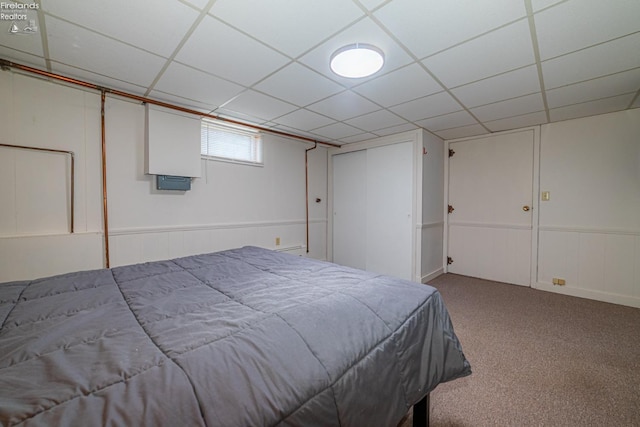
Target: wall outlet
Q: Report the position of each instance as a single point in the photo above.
(277, 241)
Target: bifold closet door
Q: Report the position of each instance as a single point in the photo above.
(372, 209)
(349, 209)
(389, 209)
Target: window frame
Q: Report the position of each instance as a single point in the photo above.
(233, 129)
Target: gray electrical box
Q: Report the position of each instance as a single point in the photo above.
(168, 182)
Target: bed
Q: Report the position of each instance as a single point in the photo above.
(243, 337)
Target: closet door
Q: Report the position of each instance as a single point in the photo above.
(389, 209)
(372, 209)
(349, 209)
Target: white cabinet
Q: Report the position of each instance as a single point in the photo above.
(172, 143)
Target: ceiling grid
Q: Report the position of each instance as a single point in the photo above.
(457, 68)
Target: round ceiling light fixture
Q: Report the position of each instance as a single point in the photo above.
(357, 60)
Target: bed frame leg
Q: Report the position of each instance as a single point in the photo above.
(421, 413)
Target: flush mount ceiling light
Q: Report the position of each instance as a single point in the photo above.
(357, 60)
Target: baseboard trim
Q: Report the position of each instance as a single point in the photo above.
(432, 275)
(629, 301)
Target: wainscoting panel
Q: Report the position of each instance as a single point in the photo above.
(32, 257)
(600, 264)
(130, 246)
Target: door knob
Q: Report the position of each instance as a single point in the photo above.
(526, 208)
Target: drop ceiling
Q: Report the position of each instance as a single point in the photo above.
(456, 68)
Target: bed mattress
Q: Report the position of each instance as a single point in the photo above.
(243, 337)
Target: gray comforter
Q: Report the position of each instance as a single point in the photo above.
(245, 337)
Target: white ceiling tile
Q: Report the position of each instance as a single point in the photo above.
(448, 121)
(592, 108)
(291, 27)
(154, 25)
(96, 78)
(537, 5)
(23, 42)
(238, 117)
(364, 31)
(392, 130)
(429, 106)
(294, 131)
(343, 106)
(186, 82)
(200, 4)
(303, 120)
(182, 102)
(608, 58)
(372, 4)
(298, 85)
(77, 47)
(358, 138)
(517, 122)
(505, 86)
(511, 107)
(616, 84)
(213, 40)
(399, 86)
(501, 50)
(427, 27)
(259, 105)
(22, 58)
(337, 131)
(578, 24)
(461, 132)
(376, 120)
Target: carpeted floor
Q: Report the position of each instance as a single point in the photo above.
(538, 359)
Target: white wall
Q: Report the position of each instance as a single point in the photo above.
(35, 187)
(590, 227)
(230, 206)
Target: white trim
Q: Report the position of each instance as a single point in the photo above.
(490, 225)
(290, 248)
(590, 294)
(427, 225)
(589, 230)
(220, 226)
(432, 275)
(57, 234)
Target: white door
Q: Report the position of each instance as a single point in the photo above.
(389, 209)
(350, 209)
(491, 193)
(372, 209)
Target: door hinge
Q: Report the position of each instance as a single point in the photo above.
(451, 152)
(450, 209)
(449, 260)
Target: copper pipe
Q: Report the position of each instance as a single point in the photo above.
(4, 64)
(104, 180)
(306, 183)
(52, 150)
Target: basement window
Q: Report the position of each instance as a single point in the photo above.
(231, 143)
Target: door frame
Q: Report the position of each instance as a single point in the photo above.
(535, 197)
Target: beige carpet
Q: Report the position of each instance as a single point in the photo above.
(538, 359)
